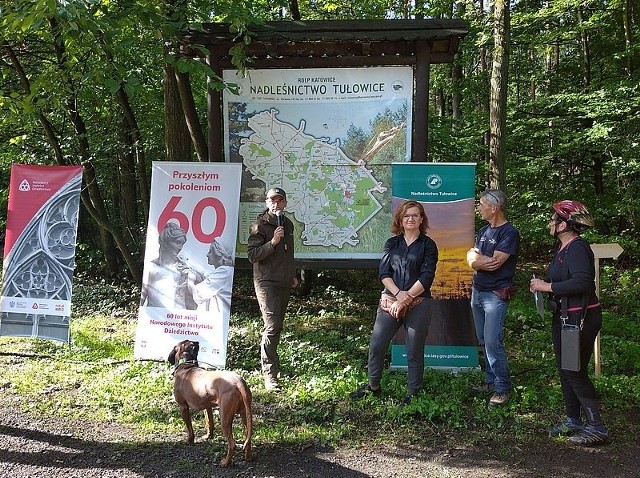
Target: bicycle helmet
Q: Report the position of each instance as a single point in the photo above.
(574, 213)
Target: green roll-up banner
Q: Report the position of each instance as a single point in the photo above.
(447, 192)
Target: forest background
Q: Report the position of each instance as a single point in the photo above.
(99, 83)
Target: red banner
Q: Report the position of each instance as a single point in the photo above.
(39, 251)
(30, 188)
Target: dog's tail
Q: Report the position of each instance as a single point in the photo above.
(245, 392)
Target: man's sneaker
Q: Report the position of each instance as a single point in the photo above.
(565, 429)
(590, 436)
(365, 390)
(484, 389)
(271, 384)
(499, 399)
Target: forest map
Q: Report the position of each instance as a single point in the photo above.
(327, 191)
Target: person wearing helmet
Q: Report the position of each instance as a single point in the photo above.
(270, 250)
(570, 281)
(493, 260)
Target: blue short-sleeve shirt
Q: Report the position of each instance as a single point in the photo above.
(504, 238)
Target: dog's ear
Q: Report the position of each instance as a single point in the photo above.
(195, 349)
(172, 355)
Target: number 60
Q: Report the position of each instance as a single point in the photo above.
(171, 213)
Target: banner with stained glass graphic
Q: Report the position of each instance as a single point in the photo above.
(39, 251)
(189, 260)
(447, 192)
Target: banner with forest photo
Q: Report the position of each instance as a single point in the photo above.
(447, 192)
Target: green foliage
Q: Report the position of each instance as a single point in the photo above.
(566, 139)
(621, 289)
(117, 299)
(323, 351)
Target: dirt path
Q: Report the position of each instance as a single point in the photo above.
(53, 448)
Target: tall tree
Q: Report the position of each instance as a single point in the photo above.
(72, 55)
(628, 36)
(498, 98)
(177, 137)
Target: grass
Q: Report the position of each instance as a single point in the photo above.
(324, 345)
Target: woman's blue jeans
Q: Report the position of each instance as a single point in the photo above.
(489, 314)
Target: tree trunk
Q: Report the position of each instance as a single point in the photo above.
(139, 167)
(295, 11)
(456, 95)
(91, 196)
(93, 188)
(132, 175)
(586, 55)
(598, 172)
(441, 102)
(533, 87)
(484, 105)
(44, 121)
(482, 50)
(628, 36)
(177, 139)
(125, 196)
(457, 73)
(93, 203)
(191, 116)
(498, 96)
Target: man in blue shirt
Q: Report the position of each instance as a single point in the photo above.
(493, 260)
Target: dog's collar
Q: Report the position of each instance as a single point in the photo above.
(185, 361)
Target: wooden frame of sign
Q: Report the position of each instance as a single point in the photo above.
(331, 44)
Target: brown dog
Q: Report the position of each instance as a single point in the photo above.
(202, 389)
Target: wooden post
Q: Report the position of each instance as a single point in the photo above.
(214, 118)
(419, 143)
(602, 251)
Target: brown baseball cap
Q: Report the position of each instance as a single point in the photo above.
(276, 192)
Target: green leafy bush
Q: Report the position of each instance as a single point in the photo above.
(324, 351)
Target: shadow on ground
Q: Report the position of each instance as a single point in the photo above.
(55, 448)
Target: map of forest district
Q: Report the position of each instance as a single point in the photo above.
(326, 191)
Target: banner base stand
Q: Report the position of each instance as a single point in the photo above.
(441, 357)
(454, 370)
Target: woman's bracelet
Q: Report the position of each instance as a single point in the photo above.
(396, 294)
(410, 295)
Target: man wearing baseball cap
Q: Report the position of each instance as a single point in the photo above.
(277, 192)
(270, 250)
